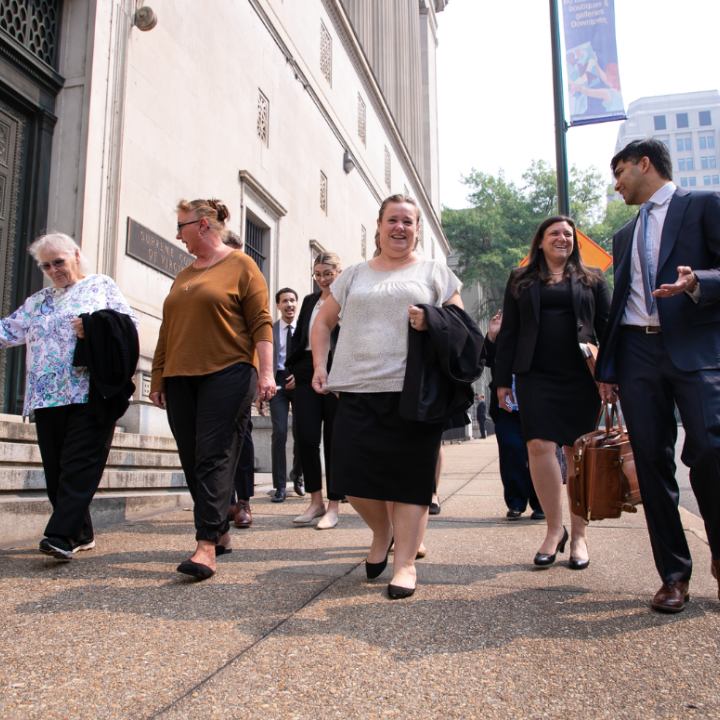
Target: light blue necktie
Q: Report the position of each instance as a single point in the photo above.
(645, 260)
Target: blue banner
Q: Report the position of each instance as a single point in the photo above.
(591, 62)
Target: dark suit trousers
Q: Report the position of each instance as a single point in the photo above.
(650, 386)
(514, 471)
(315, 417)
(208, 415)
(74, 450)
(279, 409)
(245, 471)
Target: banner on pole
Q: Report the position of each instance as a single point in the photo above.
(591, 253)
(591, 62)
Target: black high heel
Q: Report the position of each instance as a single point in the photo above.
(397, 592)
(374, 570)
(578, 564)
(543, 559)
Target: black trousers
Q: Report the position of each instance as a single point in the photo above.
(650, 387)
(481, 425)
(279, 409)
(315, 416)
(245, 470)
(74, 450)
(514, 471)
(208, 415)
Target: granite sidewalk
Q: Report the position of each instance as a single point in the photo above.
(290, 628)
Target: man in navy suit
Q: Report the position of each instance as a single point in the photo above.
(661, 348)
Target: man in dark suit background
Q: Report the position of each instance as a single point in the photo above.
(661, 348)
(481, 414)
(286, 300)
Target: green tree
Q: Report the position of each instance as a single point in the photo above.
(494, 235)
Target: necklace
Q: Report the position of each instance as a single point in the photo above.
(187, 287)
(557, 273)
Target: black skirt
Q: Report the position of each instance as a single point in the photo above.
(378, 455)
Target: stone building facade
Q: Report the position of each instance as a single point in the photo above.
(300, 116)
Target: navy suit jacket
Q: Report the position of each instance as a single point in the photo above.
(691, 331)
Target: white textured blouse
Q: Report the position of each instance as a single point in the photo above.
(42, 323)
(371, 353)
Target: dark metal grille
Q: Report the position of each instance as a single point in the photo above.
(254, 243)
(33, 23)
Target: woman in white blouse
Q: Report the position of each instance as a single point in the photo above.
(378, 456)
(73, 445)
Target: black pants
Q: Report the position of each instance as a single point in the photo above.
(650, 387)
(207, 416)
(245, 470)
(514, 471)
(481, 425)
(315, 415)
(279, 409)
(74, 450)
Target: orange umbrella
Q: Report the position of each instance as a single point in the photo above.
(592, 254)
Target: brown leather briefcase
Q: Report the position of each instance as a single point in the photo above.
(604, 482)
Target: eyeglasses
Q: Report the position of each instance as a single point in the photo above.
(57, 263)
(326, 275)
(180, 226)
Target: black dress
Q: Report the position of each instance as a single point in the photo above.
(557, 397)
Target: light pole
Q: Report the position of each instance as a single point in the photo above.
(563, 185)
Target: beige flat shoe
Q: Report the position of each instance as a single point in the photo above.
(327, 523)
(309, 516)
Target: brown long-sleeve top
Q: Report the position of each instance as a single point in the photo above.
(215, 323)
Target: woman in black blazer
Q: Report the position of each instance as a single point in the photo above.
(551, 306)
(314, 413)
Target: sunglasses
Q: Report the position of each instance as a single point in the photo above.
(58, 263)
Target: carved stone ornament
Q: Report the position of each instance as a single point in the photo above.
(145, 18)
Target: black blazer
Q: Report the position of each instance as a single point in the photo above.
(691, 331)
(521, 317)
(302, 332)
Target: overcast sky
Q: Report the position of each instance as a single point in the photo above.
(495, 80)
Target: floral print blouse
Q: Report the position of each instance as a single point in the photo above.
(42, 323)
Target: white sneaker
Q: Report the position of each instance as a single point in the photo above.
(84, 546)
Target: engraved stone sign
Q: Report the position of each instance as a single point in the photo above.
(149, 248)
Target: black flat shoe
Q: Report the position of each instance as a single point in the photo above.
(513, 515)
(434, 509)
(577, 564)
(196, 570)
(543, 559)
(396, 592)
(222, 550)
(537, 515)
(374, 570)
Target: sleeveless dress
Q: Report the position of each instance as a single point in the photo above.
(558, 398)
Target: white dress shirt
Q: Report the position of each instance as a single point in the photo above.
(635, 311)
(282, 352)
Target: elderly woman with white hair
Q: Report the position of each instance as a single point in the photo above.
(74, 446)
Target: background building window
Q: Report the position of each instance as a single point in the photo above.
(263, 117)
(707, 142)
(362, 120)
(689, 164)
(704, 163)
(693, 181)
(684, 144)
(708, 161)
(34, 25)
(660, 123)
(716, 179)
(323, 192)
(388, 177)
(255, 243)
(681, 164)
(706, 179)
(325, 52)
(705, 118)
(682, 120)
(683, 182)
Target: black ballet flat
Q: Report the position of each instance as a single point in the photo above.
(196, 570)
(577, 564)
(222, 550)
(396, 592)
(544, 559)
(374, 570)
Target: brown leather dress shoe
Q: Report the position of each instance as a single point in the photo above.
(243, 516)
(671, 597)
(715, 569)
